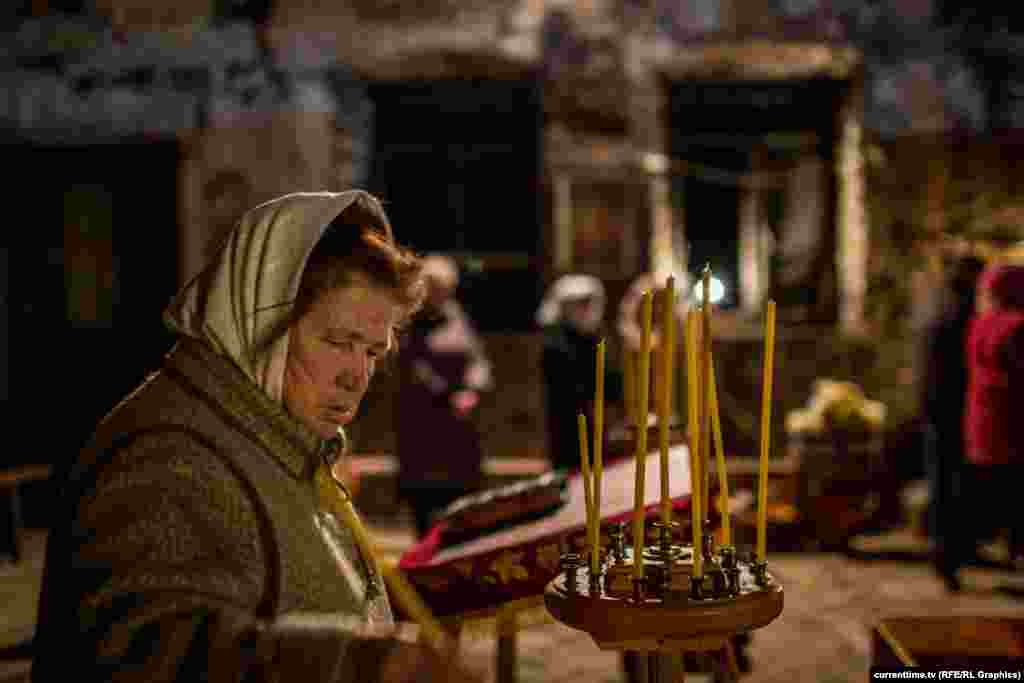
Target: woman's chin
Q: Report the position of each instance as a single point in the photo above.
(327, 428)
(327, 434)
(326, 424)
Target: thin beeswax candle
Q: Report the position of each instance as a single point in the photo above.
(693, 399)
(668, 340)
(598, 448)
(723, 483)
(766, 418)
(588, 484)
(705, 385)
(643, 393)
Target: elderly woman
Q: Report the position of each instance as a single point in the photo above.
(190, 541)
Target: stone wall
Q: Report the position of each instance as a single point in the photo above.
(279, 154)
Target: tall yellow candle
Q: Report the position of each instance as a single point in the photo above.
(598, 449)
(705, 385)
(643, 391)
(668, 347)
(693, 413)
(766, 418)
(588, 493)
(723, 483)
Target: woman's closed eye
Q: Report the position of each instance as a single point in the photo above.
(372, 352)
(342, 344)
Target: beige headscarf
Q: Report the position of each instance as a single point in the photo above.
(569, 288)
(241, 302)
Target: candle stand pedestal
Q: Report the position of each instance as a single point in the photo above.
(667, 612)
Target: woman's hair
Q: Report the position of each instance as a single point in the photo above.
(357, 247)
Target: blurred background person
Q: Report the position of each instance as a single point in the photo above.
(443, 370)
(994, 433)
(943, 402)
(629, 324)
(570, 317)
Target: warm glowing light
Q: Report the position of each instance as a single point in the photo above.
(716, 295)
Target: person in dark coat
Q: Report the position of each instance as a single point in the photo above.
(443, 371)
(570, 318)
(943, 405)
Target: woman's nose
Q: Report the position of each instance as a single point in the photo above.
(354, 374)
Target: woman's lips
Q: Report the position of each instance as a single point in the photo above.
(336, 414)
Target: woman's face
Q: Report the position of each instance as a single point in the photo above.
(439, 291)
(332, 353)
(583, 314)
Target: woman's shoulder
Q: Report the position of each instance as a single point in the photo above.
(149, 406)
(158, 416)
(164, 414)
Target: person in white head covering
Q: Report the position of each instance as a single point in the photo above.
(443, 371)
(570, 315)
(191, 542)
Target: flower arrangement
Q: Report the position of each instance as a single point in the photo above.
(836, 406)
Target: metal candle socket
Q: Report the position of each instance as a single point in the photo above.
(760, 569)
(731, 569)
(617, 540)
(570, 564)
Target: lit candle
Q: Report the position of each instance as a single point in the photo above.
(643, 391)
(693, 396)
(766, 417)
(588, 495)
(705, 385)
(598, 452)
(716, 426)
(668, 346)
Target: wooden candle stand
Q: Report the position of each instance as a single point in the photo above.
(661, 615)
(668, 599)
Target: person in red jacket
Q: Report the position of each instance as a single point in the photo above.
(993, 429)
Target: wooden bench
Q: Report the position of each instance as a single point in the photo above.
(950, 642)
(11, 480)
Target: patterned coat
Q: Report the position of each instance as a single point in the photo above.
(189, 544)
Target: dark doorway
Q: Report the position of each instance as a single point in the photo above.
(457, 163)
(712, 214)
(716, 128)
(93, 262)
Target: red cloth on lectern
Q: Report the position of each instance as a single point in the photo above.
(519, 561)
